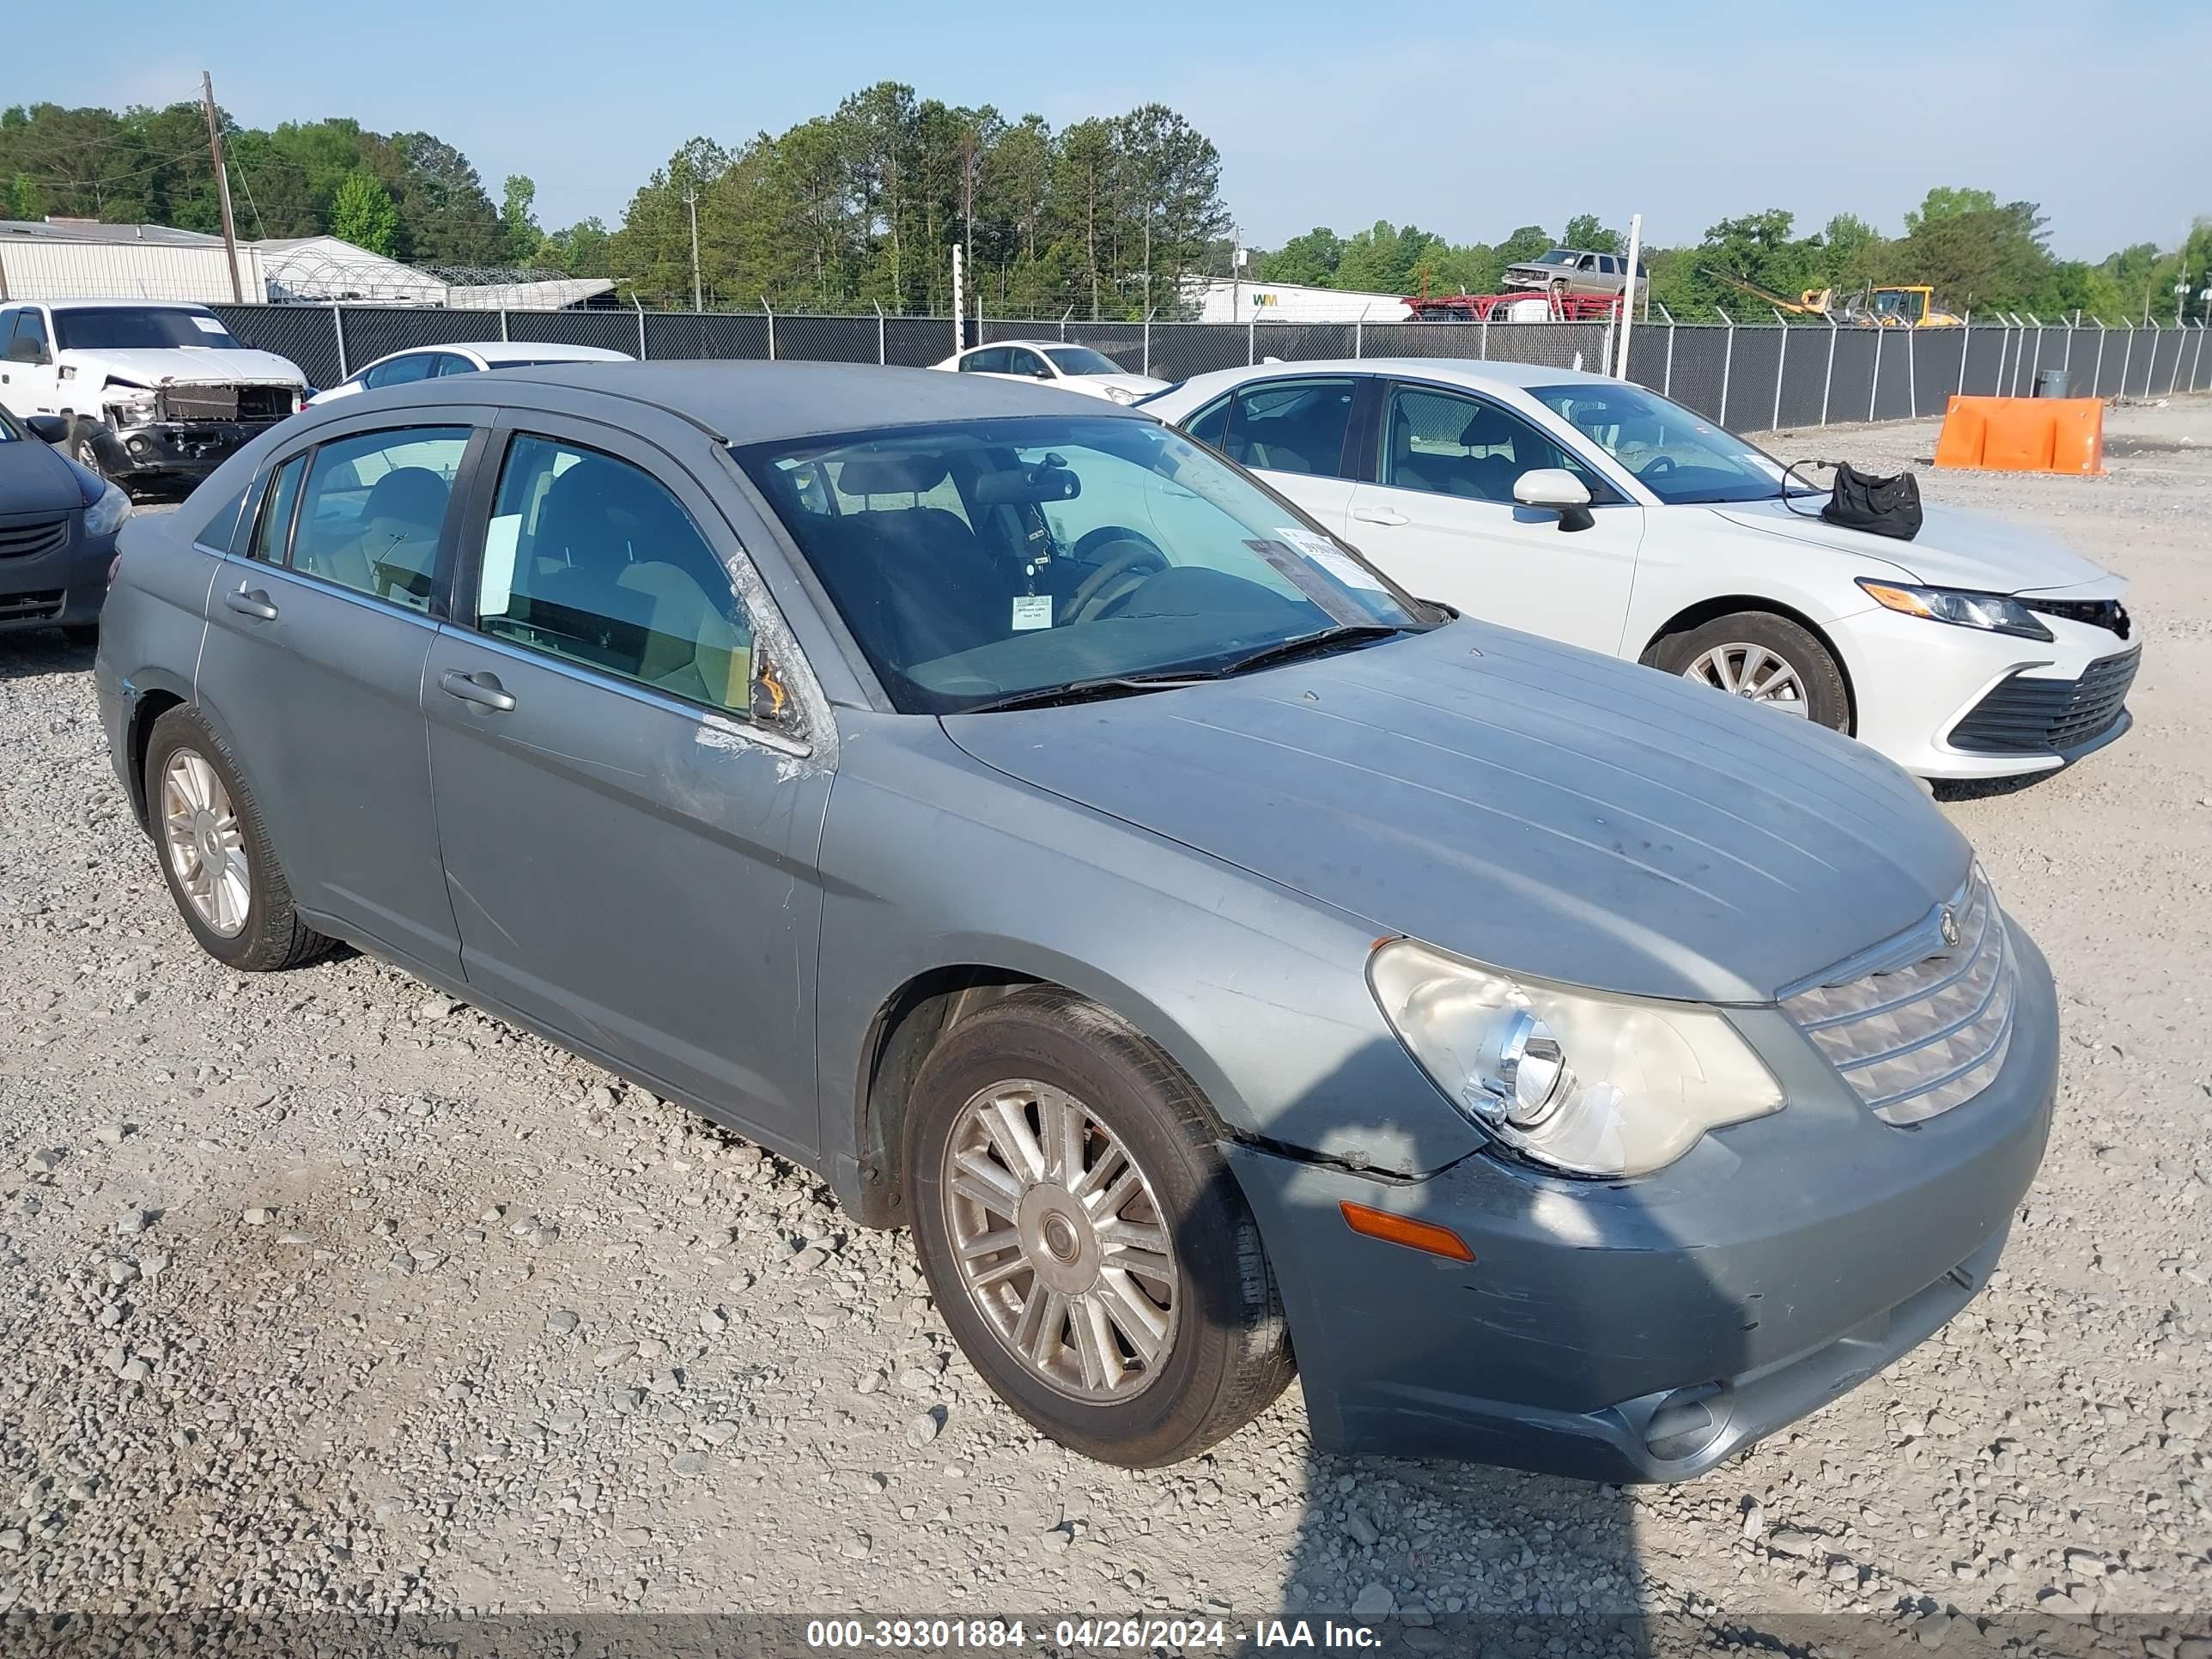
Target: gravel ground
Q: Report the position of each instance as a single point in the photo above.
(318, 1291)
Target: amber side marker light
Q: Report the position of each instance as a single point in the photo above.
(1404, 1230)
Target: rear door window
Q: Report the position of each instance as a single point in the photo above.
(375, 507)
(1290, 426)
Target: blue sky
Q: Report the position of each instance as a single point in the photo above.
(1468, 120)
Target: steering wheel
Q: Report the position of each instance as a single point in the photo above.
(1126, 554)
(1657, 467)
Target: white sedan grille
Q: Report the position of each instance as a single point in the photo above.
(1921, 1023)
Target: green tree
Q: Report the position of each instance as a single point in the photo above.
(362, 213)
(517, 222)
(1947, 202)
(1524, 244)
(1585, 232)
(1311, 259)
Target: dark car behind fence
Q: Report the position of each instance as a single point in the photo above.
(1750, 377)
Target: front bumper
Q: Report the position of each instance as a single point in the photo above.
(61, 584)
(1645, 1330)
(1916, 683)
(190, 449)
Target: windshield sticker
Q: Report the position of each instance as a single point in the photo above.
(1032, 610)
(1301, 573)
(1326, 554)
(209, 325)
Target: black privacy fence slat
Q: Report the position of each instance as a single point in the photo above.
(1750, 377)
(610, 330)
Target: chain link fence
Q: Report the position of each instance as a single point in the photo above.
(1748, 377)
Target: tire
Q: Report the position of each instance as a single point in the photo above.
(1224, 1354)
(1714, 652)
(84, 449)
(269, 934)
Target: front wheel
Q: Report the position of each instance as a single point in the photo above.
(1083, 1238)
(1764, 658)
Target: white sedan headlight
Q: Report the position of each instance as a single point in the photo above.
(106, 513)
(1121, 394)
(1585, 1081)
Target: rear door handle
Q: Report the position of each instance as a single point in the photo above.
(482, 689)
(1379, 515)
(251, 603)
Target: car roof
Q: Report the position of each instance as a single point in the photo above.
(1034, 345)
(761, 402)
(1476, 375)
(516, 351)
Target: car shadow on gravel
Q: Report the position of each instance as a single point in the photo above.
(40, 653)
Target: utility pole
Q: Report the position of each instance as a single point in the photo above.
(221, 185)
(1237, 273)
(691, 201)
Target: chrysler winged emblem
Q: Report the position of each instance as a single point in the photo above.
(1950, 926)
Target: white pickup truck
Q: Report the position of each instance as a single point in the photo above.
(154, 391)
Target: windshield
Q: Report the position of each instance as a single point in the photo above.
(1681, 458)
(8, 432)
(1082, 360)
(1557, 256)
(978, 560)
(123, 328)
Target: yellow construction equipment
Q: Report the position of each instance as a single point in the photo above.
(1906, 304)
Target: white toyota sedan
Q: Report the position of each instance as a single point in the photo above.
(1592, 511)
(463, 357)
(1070, 368)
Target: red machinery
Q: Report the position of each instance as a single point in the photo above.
(1559, 306)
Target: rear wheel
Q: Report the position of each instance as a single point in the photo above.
(1764, 658)
(1084, 1240)
(215, 852)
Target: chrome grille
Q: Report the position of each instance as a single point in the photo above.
(1918, 1024)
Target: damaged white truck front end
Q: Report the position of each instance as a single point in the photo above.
(151, 392)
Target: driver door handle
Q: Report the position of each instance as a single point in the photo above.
(482, 689)
(1379, 515)
(251, 602)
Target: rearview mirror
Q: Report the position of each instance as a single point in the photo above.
(1558, 490)
(48, 428)
(1024, 486)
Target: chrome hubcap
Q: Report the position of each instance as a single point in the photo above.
(1060, 1241)
(1753, 672)
(207, 852)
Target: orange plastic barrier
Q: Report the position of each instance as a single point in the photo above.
(2024, 434)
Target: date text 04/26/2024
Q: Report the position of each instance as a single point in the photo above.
(1083, 1635)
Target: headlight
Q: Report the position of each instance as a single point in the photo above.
(1121, 394)
(1588, 1082)
(1993, 612)
(109, 511)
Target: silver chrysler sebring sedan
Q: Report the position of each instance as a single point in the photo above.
(1226, 962)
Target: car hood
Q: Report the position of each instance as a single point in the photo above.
(192, 366)
(1543, 809)
(34, 478)
(1955, 548)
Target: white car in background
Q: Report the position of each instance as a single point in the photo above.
(466, 358)
(1594, 512)
(1070, 368)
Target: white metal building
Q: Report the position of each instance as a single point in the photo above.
(80, 259)
(1219, 299)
